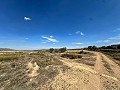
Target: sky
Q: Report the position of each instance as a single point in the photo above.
(42, 24)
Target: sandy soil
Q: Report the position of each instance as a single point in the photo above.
(33, 67)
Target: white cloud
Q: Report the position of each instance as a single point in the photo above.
(50, 39)
(81, 33)
(78, 32)
(51, 36)
(78, 43)
(105, 41)
(26, 18)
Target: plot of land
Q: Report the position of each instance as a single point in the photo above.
(41, 70)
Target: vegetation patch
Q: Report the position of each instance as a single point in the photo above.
(71, 56)
(61, 50)
(114, 55)
(9, 57)
(82, 52)
(107, 66)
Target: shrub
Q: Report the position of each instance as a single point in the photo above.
(81, 52)
(71, 56)
(79, 56)
(62, 49)
(51, 50)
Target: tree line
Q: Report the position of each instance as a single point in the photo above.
(95, 48)
(60, 50)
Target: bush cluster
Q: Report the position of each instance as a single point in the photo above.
(71, 56)
(82, 52)
(61, 50)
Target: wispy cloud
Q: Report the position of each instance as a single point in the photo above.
(50, 39)
(51, 36)
(117, 29)
(99, 41)
(115, 43)
(115, 37)
(79, 32)
(43, 42)
(82, 33)
(78, 43)
(111, 41)
(105, 41)
(27, 18)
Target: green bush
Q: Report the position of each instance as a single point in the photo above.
(62, 49)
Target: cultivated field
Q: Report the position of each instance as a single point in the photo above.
(71, 70)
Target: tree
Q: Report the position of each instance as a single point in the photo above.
(89, 47)
(103, 47)
(118, 47)
(94, 48)
(62, 49)
(109, 47)
(51, 50)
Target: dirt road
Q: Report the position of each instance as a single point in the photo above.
(104, 76)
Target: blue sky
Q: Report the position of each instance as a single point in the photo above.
(38, 24)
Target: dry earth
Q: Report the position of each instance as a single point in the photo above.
(66, 75)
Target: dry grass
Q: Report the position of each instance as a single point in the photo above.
(9, 57)
(14, 73)
(114, 55)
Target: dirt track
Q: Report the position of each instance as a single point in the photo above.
(83, 77)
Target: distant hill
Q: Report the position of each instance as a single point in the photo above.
(5, 49)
